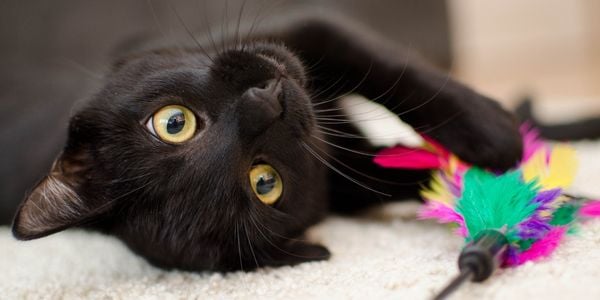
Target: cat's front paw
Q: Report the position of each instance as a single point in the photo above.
(483, 134)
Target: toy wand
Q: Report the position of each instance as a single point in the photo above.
(506, 218)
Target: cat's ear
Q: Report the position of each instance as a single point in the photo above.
(295, 251)
(55, 203)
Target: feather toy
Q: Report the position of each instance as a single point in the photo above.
(507, 218)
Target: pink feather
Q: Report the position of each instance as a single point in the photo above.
(407, 158)
(444, 214)
(531, 141)
(540, 249)
(590, 209)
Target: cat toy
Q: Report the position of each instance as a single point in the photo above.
(506, 219)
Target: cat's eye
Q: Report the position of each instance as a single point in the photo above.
(266, 183)
(173, 124)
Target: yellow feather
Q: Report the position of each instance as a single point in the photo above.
(438, 191)
(535, 168)
(563, 166)
(558, 173)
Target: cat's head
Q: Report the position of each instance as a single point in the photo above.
(194, 161)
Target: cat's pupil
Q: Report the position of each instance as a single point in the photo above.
(176, 123)
(265, 183)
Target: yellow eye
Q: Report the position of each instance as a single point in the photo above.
(266, 183)
(173, 124)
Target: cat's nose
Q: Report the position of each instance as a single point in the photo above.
(261, 105)
(266, 93)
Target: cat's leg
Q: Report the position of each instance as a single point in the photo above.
(471, 125)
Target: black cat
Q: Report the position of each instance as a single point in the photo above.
(206, 159)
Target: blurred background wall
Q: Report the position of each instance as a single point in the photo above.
(549, 49)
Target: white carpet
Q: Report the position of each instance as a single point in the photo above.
(386, 255)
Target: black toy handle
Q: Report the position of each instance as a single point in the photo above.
(478, 260)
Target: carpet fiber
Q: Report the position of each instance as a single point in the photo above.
(386, 254)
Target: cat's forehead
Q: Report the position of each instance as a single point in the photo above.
(240, 64)
(146, 63)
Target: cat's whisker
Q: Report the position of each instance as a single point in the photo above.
(431, 99)
(353, 169)
(391, 88)
(344, 148)
(346, 112)
(326, 163)
(345, 108)
(120, 180)
(329, 87)
(422, 130)
(337, 91)
(189, 32)
(224, 25)
(275, 233)
(377, 97)
(360, 152)
(392, 135)
(369, 111)
(268, 240)
(177, 46)
(340, 120)
(328, 110)
(313, 67)
(85, 70)
(239, 245)
(237, 37)
(133, 191)
(206, 24)
(250, 245)
(261, 10)
(265, 237)
(400, 103)
(155, 18)
(260, 249)
(362, 80)
(109, 203)
(226, 34)
(343, 119)
(326, 130)
(252, 25)
(358, 137)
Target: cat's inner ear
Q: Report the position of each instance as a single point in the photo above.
(55, 202)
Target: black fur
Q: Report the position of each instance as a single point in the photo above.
(190, 206)
(579, 130)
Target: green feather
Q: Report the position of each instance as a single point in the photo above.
(573, 229)
(565, 214)
(525, 244)
(495, 202)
